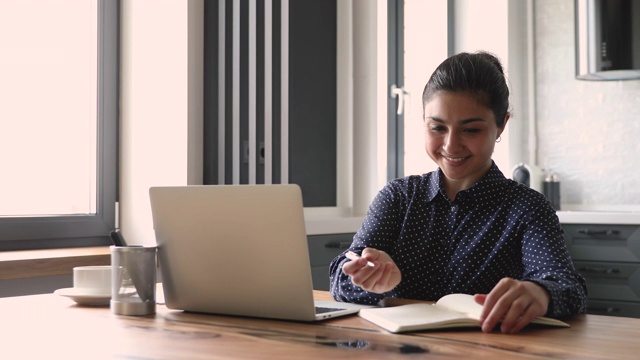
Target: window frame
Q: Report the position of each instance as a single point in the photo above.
(19, 233)
(395, 77)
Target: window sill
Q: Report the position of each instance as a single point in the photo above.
(35, 263)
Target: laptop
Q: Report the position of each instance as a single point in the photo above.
(237, 250)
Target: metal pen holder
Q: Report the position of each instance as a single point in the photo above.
(133, 285)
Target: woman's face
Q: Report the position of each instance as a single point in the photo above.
(460, 134)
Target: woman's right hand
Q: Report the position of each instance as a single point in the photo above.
(382, 277)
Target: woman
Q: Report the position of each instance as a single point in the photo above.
(464, 228)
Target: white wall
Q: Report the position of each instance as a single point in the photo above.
(588, 130)
(161, 105)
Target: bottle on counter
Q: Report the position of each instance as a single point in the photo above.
(551, 189)
(528, 175)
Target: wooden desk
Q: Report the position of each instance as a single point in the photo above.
(48, 326)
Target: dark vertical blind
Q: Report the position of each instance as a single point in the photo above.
(312, 96)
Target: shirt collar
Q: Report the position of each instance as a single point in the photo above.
(486, 183)
(435, 185)
(489, 182)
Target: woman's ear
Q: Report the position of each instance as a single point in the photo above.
(504, 125)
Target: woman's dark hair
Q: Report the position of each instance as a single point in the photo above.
(480, 74)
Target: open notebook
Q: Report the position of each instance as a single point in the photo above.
(237, 250)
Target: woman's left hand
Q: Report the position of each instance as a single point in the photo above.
(514, 303)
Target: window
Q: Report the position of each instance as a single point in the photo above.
(58, 111)
(422, 35)
(425, 22)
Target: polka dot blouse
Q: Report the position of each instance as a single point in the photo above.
(497, 228)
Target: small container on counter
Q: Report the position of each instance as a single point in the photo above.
(551, 189)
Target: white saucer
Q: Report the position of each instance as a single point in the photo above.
(81, 297)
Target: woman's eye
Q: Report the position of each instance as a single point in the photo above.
(436, 128)
(471, 130)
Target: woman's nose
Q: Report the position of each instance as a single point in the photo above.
(452, 142)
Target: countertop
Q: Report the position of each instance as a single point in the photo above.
(599, 214)
(599, 217)
(623, 216)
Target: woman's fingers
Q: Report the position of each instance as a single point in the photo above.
(380, 278)
(512, 303)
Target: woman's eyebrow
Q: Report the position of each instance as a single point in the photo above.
(471, 120)
(463, 122)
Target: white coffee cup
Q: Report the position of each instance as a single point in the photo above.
(92, 280)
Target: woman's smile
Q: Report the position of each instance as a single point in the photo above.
(455, 159)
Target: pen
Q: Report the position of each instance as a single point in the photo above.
(117, 239)
(353, 256)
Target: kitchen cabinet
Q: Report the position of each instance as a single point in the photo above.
(608, 256)
(323, 249)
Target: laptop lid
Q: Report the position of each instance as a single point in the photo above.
(235, 250)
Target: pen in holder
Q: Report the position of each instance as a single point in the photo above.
(133, 282)
(117, 238)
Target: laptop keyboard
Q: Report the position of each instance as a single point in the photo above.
(322, 310)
